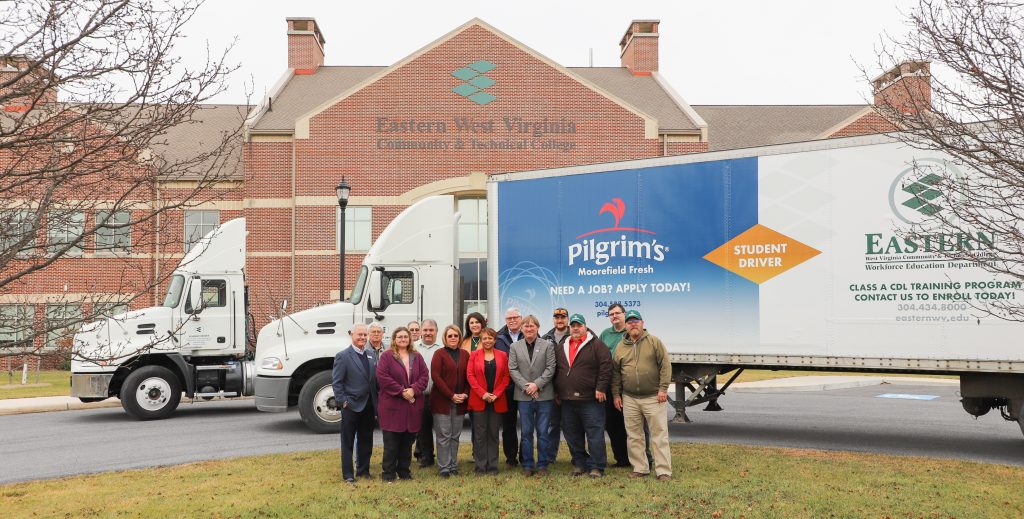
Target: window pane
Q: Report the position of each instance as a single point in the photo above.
(14, 225)
(111, 237)
(16, 326)
(399, 287)
(468, 271)
(468, 238)
(358, 228)
(469, 209)
(64, 228)
(199, 224)
(62, 322)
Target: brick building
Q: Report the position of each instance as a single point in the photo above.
(474, 102)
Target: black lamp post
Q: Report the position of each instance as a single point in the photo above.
(342, 191)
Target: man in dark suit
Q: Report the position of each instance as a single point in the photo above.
(355, 391)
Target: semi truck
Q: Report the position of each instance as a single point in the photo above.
(192, 345)
(791, 256)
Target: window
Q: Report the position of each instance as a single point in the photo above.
(473, 274)
(214, 293)
(357, 288)
(199, 224)
(63, 228)
(115, 235)
(473, 225)
(14, 225)
(358, 228)
(16, 327)
(399, 288)
(62, 321)
(473, 254)
(174, 288)
(108, 309)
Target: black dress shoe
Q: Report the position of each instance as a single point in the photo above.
(426, 463)
(622, 465)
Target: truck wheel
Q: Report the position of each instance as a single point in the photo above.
(150, 393)
(316, 405)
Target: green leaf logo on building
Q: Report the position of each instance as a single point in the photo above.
(475, 82)
(923, 191)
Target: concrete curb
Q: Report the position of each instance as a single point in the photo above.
(14, 406)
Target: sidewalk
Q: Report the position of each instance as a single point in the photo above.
(50, 403)
(778, 385)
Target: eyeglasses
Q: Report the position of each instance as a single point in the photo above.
(450, 335)
(414, 330)
(561, 316)
(514, 318)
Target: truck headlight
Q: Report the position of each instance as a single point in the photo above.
(272, 363)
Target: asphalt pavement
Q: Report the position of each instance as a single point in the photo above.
(48, 445)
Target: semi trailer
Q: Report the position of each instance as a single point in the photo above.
(792, 256)
(796, 256)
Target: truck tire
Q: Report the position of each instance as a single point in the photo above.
(316, 405)
(150, 393)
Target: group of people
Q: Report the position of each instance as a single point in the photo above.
(570, 381)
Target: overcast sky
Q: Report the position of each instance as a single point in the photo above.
(725, 52)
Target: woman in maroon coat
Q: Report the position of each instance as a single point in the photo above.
(488, 378)
(402, 379)
(448, 398)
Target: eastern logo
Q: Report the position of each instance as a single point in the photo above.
(601, 252)
(916, 192)
(475, 82)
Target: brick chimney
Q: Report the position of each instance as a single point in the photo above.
(907, 87)
(20, 96)
(305, 45)
(639, 47)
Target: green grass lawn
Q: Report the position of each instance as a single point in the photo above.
(710, 481)
(58, 383)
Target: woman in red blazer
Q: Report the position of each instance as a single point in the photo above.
(488, 378)
(401, 379)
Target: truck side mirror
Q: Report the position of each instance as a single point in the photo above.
(195, 295)
(374, 286)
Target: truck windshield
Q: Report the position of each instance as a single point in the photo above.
(357, 289)
(174, 291)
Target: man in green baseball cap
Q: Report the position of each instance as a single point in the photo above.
(641, 373)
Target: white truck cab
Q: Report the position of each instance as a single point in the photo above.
(410, 273)
(194, 342)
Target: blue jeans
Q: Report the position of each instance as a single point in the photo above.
(534, 416)
(554, 435)
(583, 427)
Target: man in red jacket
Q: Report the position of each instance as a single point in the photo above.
(582, 378)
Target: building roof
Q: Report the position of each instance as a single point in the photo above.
(745, 126)
(643, 92)
(211, 126)
(303, 93)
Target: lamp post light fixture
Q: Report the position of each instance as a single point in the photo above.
(342, 190)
